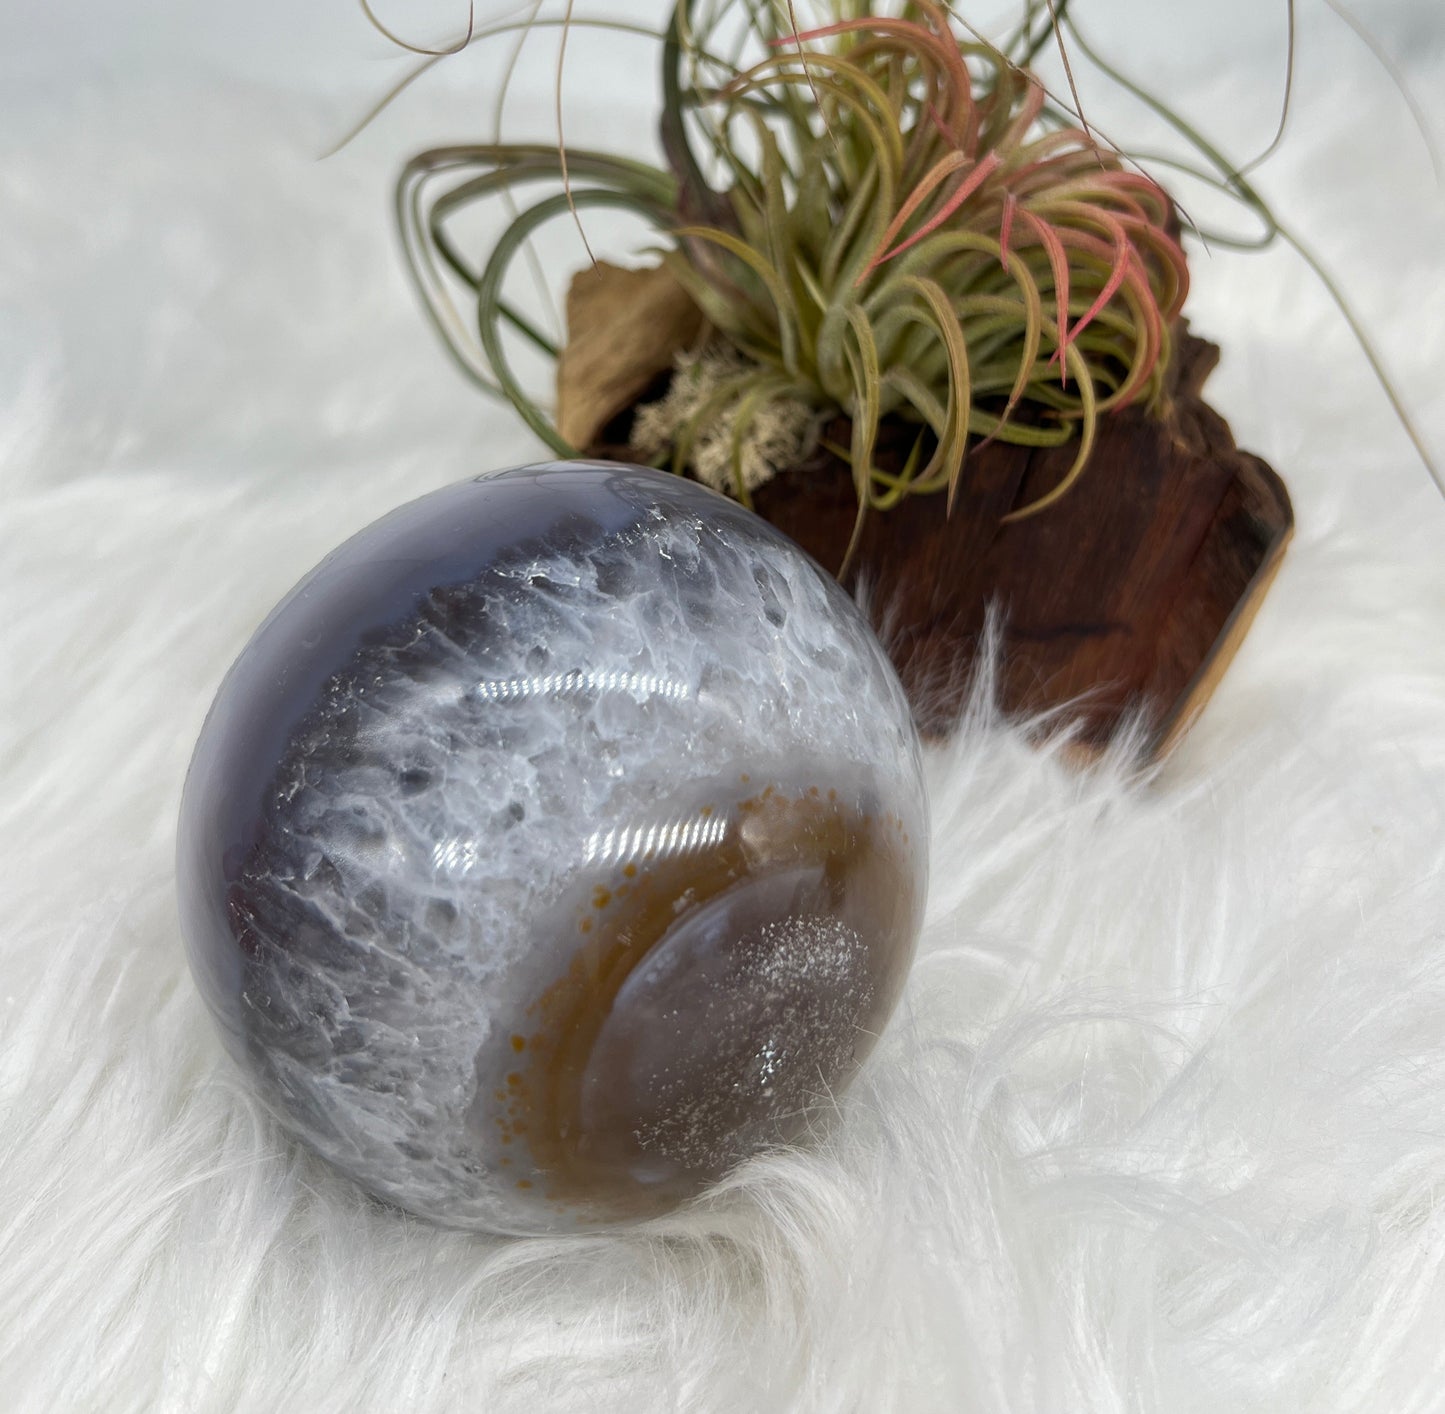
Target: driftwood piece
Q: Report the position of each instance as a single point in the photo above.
(1128, 597)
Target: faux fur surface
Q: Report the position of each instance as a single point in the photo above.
(1161, 1125)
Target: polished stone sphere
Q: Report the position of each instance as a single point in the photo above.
(557, 843)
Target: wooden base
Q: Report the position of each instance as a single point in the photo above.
(1126, 599)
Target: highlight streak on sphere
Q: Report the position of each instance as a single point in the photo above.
(556, 844)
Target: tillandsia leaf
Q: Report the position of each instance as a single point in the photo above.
(1030, 307)
(440, 308)
(859, 233)
(938, 250)
(499, 168)
(920, 395)
(1088, 426)
(728, 308)
(918, 38)
(769, 335)
(541, 158)
(841, 80)
(1082, 197)
(812, 218)
(988, 426)
(1006, 226)
(860, 454)
(895, 488)
(867, 392)
(953, 445)
(490, 285)
(1116, 267)
(931, 180)
(641, 187)
(750, 257)
(1027, 116)
(1123, 267)
(1059, 263)
(817, 297)
(831, 359)
(1212, 237)
(782, 254)
(985, 167)
(696, 200)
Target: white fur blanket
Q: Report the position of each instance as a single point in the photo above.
(1161, 1125)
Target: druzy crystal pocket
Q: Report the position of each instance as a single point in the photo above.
(555, 845)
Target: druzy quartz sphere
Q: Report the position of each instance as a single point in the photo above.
(554, 845)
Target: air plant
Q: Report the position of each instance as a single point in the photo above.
(903, 232)
(882, 216)
(914, 242)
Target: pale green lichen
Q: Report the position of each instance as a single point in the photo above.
(732, 456)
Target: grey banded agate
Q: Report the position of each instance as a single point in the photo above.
(554, 845)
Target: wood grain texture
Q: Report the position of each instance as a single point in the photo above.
(1128, 596)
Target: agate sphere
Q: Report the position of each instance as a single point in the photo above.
(554, 845)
